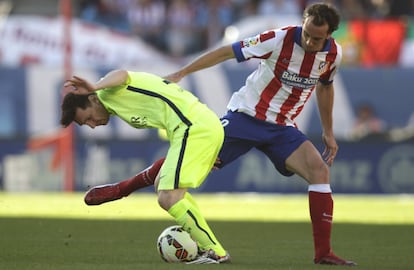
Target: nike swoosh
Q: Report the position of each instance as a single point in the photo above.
(326, 215)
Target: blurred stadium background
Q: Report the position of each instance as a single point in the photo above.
(42, 42)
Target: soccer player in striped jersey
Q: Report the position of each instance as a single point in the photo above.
(295, 61)
(195, 134)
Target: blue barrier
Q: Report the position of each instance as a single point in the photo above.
(360, 167)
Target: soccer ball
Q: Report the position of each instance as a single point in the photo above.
(176, 245)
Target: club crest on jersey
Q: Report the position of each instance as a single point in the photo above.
(323, 66)
(250, 41)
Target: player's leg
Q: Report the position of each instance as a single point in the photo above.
(111, 192)
(179, 204)
(183, 208)
(307, 162)
(231, 150)
(189, 160)
(237, 141)
(211, 251)
(143, 179)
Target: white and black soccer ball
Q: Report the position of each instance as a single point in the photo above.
(176, 245)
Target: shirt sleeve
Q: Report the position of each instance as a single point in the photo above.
(332, 67)
(259, 46)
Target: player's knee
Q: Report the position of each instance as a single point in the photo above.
(319, 174)
(167, 198)
(163, 200)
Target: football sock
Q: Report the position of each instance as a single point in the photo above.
(143, 179)
(190, 199)
(187, 214)
(321, 212)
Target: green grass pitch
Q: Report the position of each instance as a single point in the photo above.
(57, 231)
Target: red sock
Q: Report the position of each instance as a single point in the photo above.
(321, 212)
(143, 179)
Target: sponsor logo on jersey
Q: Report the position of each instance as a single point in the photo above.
(294, 80)
(139, 121)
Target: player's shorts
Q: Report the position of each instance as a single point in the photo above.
(193, 150)
(243, 132)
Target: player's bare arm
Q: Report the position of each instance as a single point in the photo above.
(325, 97)
(205, 60)
(113, 78)
(82, 86)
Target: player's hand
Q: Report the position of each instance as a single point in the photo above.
(174, 77)
(79, 86)
(331, 148)
(217, 164)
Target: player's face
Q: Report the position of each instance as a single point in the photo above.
(313, 36)
(94, 115)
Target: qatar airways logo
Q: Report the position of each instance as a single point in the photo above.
(294, 80)
(140, 121)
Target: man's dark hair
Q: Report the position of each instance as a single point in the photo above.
(69, 105)
(323, 13)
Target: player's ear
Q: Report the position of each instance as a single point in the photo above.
(93, 99)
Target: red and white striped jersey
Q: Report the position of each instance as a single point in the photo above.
(286, 76)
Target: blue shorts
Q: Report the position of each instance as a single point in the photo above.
(243, 132)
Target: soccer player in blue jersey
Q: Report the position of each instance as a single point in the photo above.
(195, 134)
